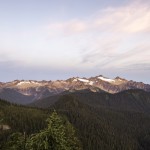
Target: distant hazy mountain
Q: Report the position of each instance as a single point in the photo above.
(13, 96)
(26, 91)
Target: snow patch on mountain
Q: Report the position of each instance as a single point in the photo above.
(120, 79)
(75, 80)
(106, 79)
(91, 83)
(27, 82)
(35, 82)
(23, 82)
(83, 80)
(86, 81)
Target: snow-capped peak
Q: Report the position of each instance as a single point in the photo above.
(120, 79)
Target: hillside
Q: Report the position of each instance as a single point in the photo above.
(13, 96)
(130, 100)
(26, 123)
(104, 128)
(102, 122)
(20, 119)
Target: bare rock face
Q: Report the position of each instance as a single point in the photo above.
(39, 89)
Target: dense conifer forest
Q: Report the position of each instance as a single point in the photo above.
(35, 129)
(88, 122)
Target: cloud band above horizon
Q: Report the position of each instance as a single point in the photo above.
(114, 38)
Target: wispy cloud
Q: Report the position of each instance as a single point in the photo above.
(132, 18)
(111, 39)
(118, 37)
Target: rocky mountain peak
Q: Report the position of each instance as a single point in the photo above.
(40, 89)
(119, 78)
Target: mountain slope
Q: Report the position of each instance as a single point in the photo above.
(130, 100)
(13, 96)
(41, 89)
(99, 127)
(104, 128)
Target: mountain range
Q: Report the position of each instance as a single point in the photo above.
(27, 91)
(106, 113)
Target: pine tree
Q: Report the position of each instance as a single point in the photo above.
(57, 136)
(15, 142)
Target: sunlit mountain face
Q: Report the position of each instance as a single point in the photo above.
(27, 91)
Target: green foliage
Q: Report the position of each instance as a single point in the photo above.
(103, 121)
(104, 128)
(20, 119)
(16, 141)
(57, 136)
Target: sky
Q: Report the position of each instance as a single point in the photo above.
(50, 40)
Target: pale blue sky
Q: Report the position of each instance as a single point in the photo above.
(63, 38)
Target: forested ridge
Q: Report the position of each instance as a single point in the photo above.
(105, 128)
(35, 129)
(99, 124)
